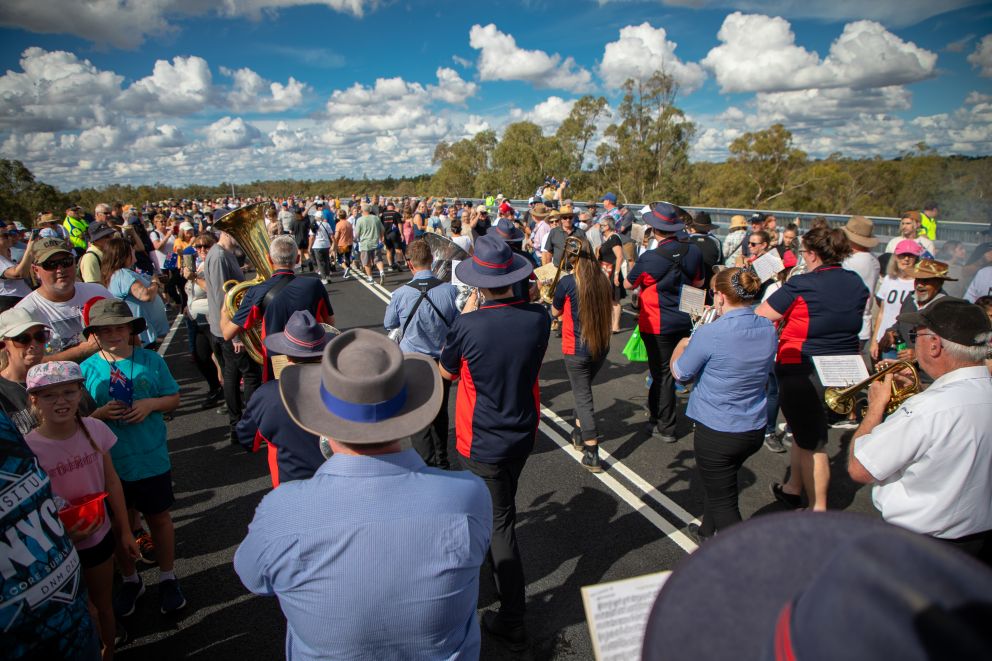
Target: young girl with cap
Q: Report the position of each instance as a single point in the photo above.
(74, 451)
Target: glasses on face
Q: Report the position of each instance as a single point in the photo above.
(53, 264)
(754, 243)
(24, 339)
(201, 246)
(913, 334)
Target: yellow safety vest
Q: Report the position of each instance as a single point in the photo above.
(928, 227)
(76, 230)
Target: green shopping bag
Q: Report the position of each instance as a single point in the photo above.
(634, 350)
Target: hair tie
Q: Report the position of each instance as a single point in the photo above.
(735, 283)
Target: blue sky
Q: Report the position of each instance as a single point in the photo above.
(194, 91)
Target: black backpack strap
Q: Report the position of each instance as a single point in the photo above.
(273, 292)
(423, 286)
(676, 261)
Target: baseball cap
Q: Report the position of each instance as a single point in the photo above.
(908, 247)
(609, 196)
(46, 248)
(53, 373)
(15, 321)
(953, 319)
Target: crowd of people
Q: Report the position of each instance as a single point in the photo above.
(86, 396)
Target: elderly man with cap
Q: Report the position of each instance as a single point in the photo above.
(659, 275)
(929, 277)
(554, 247)
(495, 352)
(98, 234)
(293, 452)
(931, 461)
(377, 555)
(59, 300)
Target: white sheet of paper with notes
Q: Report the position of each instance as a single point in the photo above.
(617, 614)
(692, 300)
(768, 265)
(840, 371)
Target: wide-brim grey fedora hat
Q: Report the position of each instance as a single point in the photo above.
(364, 390)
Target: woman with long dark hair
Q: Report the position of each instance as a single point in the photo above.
(729, 359)
(584, 299)
(821, 314)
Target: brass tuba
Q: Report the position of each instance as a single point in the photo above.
(841, 400)
(247, 226)
(573, 246)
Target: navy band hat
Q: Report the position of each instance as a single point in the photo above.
(664, 217)
(302, 337)
(493, 265)
(819, 586)
(364, 390)
(506, 230)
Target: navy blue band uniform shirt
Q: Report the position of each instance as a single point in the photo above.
(293, 452)
(496, 354)
(822, 314)
(660, 281)
(566, 299)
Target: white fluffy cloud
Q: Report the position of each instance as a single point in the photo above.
(181, 87)
(451, 88)
(231, 133)
(981, 58)
(548, 114)
(639, 52)
(758, 54)
(501, 59)
(251, 92)
(126, 23)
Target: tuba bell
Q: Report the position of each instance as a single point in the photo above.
(842, 400)
(247, 226)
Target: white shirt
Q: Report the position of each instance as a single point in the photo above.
(892, 291)
(866, 265)
(66, 318)
(924, 242)
(321, 233)
(981, 285)
(159, 256)
(933, 457)
(12, 286)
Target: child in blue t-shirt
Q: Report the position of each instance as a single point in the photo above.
(132, 388)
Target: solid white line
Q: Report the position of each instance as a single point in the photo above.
(633, 477)
(625, 494)
(171, 334)
(659, 522)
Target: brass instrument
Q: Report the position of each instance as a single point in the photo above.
(247, 226)
(842, 400)
(573, 246)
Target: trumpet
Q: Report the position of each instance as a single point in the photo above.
(708, 315)
(842, 400)
(573, 246)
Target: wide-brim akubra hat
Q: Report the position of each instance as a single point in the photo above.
(860, 230)
(364, 390)
(112, 312)
(931, 269)
(493, 265)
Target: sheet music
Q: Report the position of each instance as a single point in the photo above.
(768, 265)
(692, 300)
(840, 371)
(617, 614)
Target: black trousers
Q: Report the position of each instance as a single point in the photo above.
(662, 404)
(236, 367)
(581, 372)
(323, 258)
(201, 355)
(432, 443)
(504, 554)
(719, 457)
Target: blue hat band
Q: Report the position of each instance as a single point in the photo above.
(375, 412)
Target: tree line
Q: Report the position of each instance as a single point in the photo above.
(642, 156)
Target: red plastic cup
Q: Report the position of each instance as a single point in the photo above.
(86, 509)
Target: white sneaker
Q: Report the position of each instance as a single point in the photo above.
(369, 279)
(382, 276)
(345, 276)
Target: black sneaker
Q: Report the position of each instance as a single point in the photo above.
(170, 596)
(127, 597)
(576, 438)
(791, 501)
(213, 398)
(773, 443)
(695, 533)
(514, 637)
(590, 459)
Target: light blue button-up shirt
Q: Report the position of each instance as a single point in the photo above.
(730, 359)
(426, 333)
(375, 557)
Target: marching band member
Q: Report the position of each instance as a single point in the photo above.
(730, 360)
(583, 299)
(822, 314)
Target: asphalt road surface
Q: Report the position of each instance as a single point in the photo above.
(574, 528)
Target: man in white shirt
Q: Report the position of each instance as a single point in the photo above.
(59, 300)
(861, 237)
(931, 460)
(981, 285)
(909, 228)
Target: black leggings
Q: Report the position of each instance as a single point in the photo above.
(203, 356)
(662, 405)
(719, 457)
(175, 287)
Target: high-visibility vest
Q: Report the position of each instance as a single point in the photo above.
(490, 201)
(928, 226)
(76, 229)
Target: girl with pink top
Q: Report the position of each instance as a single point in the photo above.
(75, 452)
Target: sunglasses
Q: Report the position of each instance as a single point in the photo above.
(53, 264)
(201, 246)
(752, 243)
(24, 339)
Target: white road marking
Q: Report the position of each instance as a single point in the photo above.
(171, 334)
(625, 494)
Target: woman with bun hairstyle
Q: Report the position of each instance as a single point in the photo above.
(729, 359)
(820, 314)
